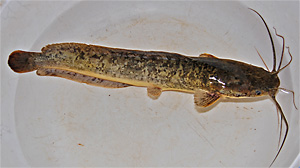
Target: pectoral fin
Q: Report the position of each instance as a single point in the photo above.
(153, 92)
(204, 99)
(91, 80)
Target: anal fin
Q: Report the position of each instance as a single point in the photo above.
(205, 99)
(80, 78)
(153, 92)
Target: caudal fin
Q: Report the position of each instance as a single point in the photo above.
(22, 61)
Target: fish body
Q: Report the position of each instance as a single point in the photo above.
(152, 69)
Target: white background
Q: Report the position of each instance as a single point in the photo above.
(55, 122)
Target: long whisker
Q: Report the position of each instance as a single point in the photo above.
(262, 60)
(286, 123)
(282, 51)
(292, 93)
(279, 121)
(288, 62)
(273, 47)
(280, 131)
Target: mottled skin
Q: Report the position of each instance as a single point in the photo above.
(158, 71)
(169, 71)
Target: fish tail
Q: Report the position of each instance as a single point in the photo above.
(22, 61)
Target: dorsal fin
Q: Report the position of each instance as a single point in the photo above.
(207, 55)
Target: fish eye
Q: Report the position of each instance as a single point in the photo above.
(257, 92)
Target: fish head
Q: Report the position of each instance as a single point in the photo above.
(248, 82)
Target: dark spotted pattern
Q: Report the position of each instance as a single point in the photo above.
(169, 71)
